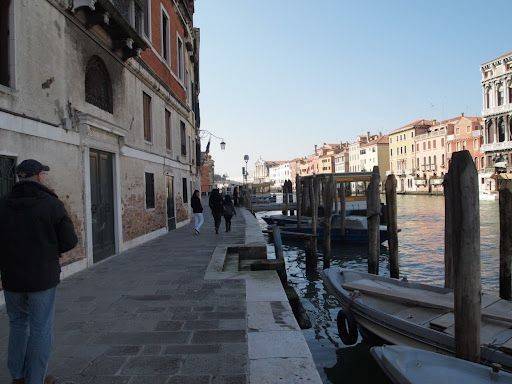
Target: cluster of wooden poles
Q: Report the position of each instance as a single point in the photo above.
(462, 236)
(313, 191)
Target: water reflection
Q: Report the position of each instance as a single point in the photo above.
(421, 250)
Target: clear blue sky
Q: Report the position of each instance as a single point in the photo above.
(278, 76)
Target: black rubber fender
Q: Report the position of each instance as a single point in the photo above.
(347, 327)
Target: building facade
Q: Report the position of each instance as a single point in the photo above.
(497, 114)
(260, 171)
(279, 172)
(402, 157)
(341, 160)
(106, 94)
(431, 159)
(375, 152)
(207, 172)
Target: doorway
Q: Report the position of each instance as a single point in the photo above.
(102, 204)
(171, 216)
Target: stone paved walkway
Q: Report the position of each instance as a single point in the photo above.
(147, 316)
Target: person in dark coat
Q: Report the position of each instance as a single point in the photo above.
(197, 210)
(215, 204)
(228, 211)
(236, 196)
(35, 230)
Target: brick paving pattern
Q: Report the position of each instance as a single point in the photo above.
(147, 316)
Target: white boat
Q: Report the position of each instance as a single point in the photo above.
(405, 365)
(416, 315)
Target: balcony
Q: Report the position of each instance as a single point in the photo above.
(496, 110)
(500, 146)
(122, 20)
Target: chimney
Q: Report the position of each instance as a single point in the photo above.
(316, 146)
(380, 133)
(462, 114)
(368, 135)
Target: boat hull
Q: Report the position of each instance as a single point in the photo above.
(352, 236)
(395, 330)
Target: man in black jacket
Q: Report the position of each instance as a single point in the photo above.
(35, 230)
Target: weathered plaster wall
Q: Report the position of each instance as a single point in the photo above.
(65, 176)
(137, 220)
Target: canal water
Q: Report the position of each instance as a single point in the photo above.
(421, 251)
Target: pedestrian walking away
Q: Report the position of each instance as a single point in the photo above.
(197, 210)
(236, 196)
(215, 204)
(228, 210)
(34, 231)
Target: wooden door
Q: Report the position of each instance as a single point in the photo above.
(102, 204)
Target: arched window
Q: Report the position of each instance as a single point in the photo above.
(488, 131)
(499, 94)
(501, 130)
(98, 88)
(510, 93)
(488, 97)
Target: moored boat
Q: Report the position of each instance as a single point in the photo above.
(418, 315)
(405, 365)
(356, 230)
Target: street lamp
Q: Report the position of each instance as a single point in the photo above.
(203, 133)
(246, 159)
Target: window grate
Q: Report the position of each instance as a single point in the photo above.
(98, 88)
(150, 190)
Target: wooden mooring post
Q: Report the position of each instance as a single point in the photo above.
(278, 247)
(448, 230)
(328, 197)
(313, 196)
(343, 209)
(505, 203)
(306, 196)
(391, 207)
(464, 215)
(290, 197)
(373, 216)
(298, 197)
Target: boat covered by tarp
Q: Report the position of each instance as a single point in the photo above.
(406, 365)
(417, 315)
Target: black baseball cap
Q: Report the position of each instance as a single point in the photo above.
(30, 167)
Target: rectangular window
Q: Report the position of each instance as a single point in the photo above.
(4, 42)
(165, 36)
(185, 190)
(181, 60)
(442, 142)
(168, 132)
(146, 115)
(150, 190)
(147, 18)
(138, 19)
(434, 143)
(183, 134)
(7, 177)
